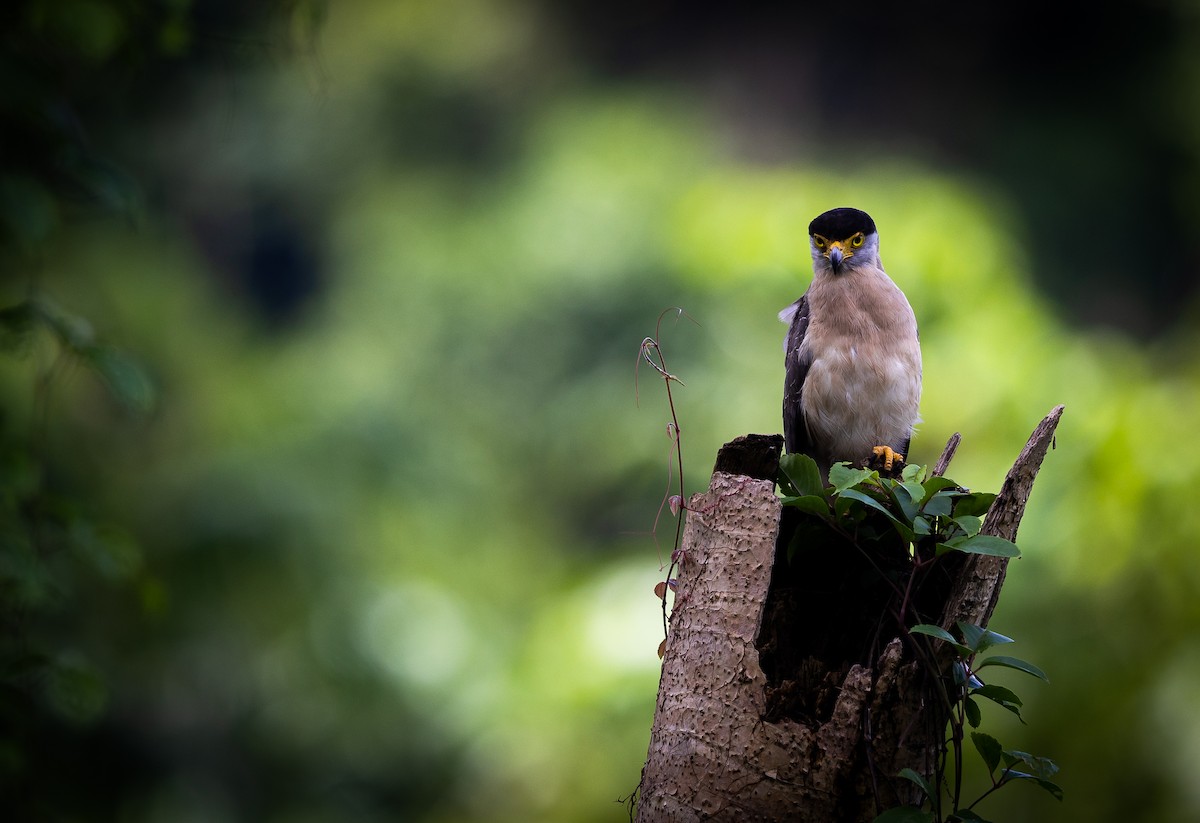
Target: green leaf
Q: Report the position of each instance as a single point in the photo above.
(934, 485)
(904, 814)
(915, 491)
(960, 671)
(1002, 697)
(933, 631)
(967, 816)
(1053, 788)
(786, 487)
(989, 749)
(940, 505)
(969, 523)
(868, 500)
(990, 544)
(1014, 663)
(977, 639)
(842, 476)
(1039, 766)
(907, 496)
(997, 693)
(810, 504)
(981, 544)
(976, 503)
(940, 634)
(802, 474)
(922, 783)
(911, 473)
(124, 376)
(921, 525)
(971, 708)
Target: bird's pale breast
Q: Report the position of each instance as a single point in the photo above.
(863, 388)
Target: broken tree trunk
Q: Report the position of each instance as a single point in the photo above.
(783, 695)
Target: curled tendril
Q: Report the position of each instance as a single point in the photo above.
(650, 351)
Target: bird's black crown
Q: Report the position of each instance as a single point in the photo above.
(838, 224)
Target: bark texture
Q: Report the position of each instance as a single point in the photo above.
(781, 699)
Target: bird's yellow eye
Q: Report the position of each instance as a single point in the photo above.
(857, 240)
(819, 241)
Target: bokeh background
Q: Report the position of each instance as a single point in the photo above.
(326, 495)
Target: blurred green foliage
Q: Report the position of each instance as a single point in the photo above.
(385, 554)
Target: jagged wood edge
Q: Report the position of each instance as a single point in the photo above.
(943, 462)
(982, 576)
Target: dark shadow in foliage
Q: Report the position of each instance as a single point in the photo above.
(855, 564)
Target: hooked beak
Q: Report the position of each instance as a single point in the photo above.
(835, 256)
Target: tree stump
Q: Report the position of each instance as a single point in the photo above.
(769, 711)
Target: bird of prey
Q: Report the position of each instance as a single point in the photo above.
(853, 360)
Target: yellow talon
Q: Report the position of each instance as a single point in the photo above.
(887, 456)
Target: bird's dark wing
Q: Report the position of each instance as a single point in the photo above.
(795, 433)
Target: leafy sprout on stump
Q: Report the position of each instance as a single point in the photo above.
(933, 517)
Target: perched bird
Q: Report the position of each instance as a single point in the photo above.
(853, 360)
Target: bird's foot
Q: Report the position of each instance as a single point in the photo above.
(883, 458)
